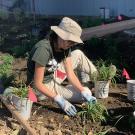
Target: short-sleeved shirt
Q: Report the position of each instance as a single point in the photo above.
(44, 54)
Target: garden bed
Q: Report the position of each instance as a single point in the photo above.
(49, 118)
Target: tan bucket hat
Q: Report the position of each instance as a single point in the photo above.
(68, 29)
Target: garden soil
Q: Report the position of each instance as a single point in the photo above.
(48, 119)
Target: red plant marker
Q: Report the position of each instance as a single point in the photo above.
(31, 95)
(125, 74)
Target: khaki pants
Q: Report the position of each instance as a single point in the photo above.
(81, 64)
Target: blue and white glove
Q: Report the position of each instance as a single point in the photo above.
(87, 95)
(65, 105)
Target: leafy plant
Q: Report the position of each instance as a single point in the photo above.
(106, 72)
(24, 47)
(94, 112)
(6, 65)
(3, 36)
(103, 132)
(22, 91)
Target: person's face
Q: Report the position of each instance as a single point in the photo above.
(63, 44)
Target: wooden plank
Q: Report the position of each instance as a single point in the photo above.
(18, 117)
(102, 30)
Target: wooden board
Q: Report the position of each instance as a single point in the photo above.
(102, 30)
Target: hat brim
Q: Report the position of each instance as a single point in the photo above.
(66, 35)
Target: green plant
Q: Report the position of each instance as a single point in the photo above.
(21, 91)
(103, 132)
(3, 36)
(105, 72)
(23, 49)
(6, 65)
(94, 112)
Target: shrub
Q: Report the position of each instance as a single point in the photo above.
(6, 65)
(4, 14)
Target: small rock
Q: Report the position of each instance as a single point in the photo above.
(90, 133)
(40, 122)
(51, 126)
(15, 125)
(50, 133)
(51, 120)
(15, 132)
(67, 131)
(78, 133)
(66, 117)
(59, 125)
(57, 132)
(43, 131)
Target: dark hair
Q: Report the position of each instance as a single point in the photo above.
(52, 36)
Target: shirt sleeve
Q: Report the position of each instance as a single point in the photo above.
(41, 56)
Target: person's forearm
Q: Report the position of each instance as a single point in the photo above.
(42, 88)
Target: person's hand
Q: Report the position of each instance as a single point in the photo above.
(87, 95)
(65, 105)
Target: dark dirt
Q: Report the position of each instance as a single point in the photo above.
(49, 116)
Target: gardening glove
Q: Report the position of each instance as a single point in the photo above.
(87, 95)
(65, 105)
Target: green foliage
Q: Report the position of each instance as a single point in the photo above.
(94, 112)
(6, 65)
(112, 49)
(105, 72)
(90, 22)
(103, 132)
(6, 69)
(3, 36)
(21, 91)
(24, 48)
(4, 14)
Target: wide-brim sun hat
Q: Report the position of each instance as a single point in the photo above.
(68, 29)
